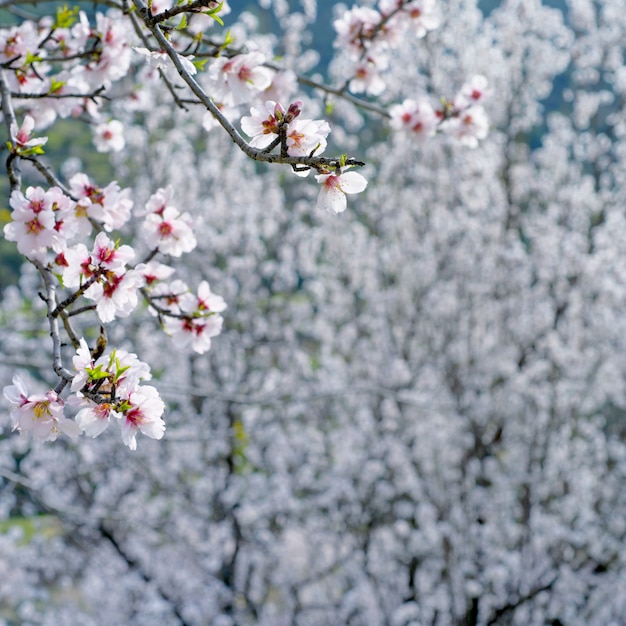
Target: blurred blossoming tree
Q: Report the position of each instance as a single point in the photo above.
(412, 412)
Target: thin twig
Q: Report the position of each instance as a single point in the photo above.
(52, 314)
(13, 168)
(73, 297)
(49, 175)
(170, 87)
(183, 8)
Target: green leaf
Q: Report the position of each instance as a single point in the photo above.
(200, 63)
(96, 373)
(35, 150)
(55, 85)
(32, 58)
(228, 40)
(65, 17)
(183, 22)
(217, 18)
(119, 370)
(214, 13)
(123, 406)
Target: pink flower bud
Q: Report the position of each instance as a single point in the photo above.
(279, 112)
(294, 110)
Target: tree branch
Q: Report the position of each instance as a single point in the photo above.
(318, 163)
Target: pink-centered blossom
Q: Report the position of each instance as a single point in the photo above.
(468, 127)
(367, 75)
(77, 266)
(239, 78)
(262, 125)
(109, 136)
(33, 222)
(106, 258)
(154, 272)
(22, 136)
(475, 91)
(204, 303)
(92, 418)
(415, 117)
(158, 201)
(307, 136)
(170, 231)
(197, 318)
(355, 28)
(110, 255)
(115, 295)
(168, 297)
(335, 186)
(40, 414)
(141, 412)
(194, 331)
(63, 209)
(111, 206)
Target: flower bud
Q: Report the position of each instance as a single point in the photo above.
(279, 112)
(293, 111)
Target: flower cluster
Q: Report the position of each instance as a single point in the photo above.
(108, 390)
(50, 219)
(165, 227)
(67, 65)
(366, 35)
(302, 137)
(272, 125)
(110, 206)
(191, 319)
(49, 59)
(238, 78)
(335, 186)
(464, 118)
(103, 276)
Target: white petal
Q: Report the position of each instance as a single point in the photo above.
(352, 182)
(332, 200)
